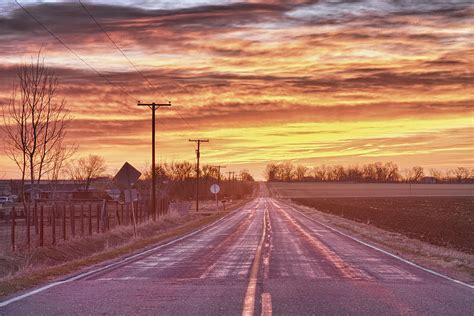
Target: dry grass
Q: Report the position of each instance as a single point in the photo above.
(454, 263)
(27, 269)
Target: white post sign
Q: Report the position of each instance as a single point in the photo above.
(215, 189)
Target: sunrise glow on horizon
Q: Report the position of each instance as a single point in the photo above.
(329, 82)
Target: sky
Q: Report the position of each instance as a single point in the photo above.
(310, 82)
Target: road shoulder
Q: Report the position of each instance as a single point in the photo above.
(453, 263)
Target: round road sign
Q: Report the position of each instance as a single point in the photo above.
(215, 188)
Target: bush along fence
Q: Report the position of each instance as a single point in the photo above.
(49, 223)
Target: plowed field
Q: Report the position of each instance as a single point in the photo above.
(443, 221)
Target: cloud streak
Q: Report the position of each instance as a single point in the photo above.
(232, 66)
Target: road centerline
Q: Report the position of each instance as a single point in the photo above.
(248, 308)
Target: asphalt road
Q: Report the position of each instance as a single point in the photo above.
(264, 258)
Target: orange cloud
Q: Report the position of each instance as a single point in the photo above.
(260, 79)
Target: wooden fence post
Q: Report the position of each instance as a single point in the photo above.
(35, 217)
(123, 218)
(145, 210)
(160, 207)
(104, 216)
(142, 213)
(72, 218)
(13, 218)
(117, 215)
(28, 232)
(90, 219)
(137, 214)
(107, 215)
(149, 209)
(82, 219)
(41, 225)
(54, 224)
(64, 221)
(140, 208)
(98, 218)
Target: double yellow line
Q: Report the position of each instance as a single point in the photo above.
(249, 301)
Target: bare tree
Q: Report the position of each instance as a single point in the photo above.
(182, 170)
(320, 173)
(392, 174)
(339, 173)
(301, 172)
(415, 174)
(437, 174)
(270, 172)
(209, 172)
(59, 166)
(245, 175)
(353, 173)
(86, 169)
(461, 173)
(286, 171)
(35, 123)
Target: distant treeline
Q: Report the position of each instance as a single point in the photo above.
(372, 172)
(177, 180)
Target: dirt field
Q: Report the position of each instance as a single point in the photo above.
(319, 189)
(443, 221)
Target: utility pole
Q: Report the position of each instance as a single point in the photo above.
(219, 173)
(231, 180)
(198, 155)
(153, 106)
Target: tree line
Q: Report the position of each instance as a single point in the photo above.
(372, 172)
(177, 180)
(184, 170)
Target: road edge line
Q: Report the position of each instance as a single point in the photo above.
(438, 274)
(114, 264)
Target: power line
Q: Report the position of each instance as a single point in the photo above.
(185, 121)
(73, 52)
(129, 60)
(115, 44)
(92, 67)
